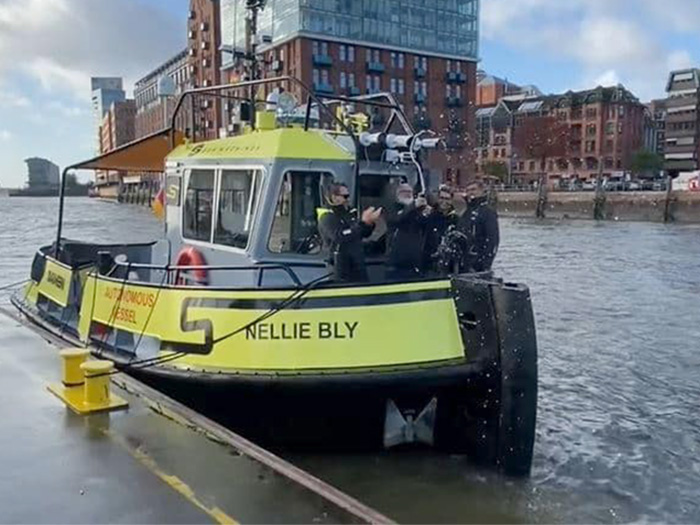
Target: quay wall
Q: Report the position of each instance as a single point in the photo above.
(684, 207)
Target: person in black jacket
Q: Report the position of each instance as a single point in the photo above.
(342, 235)
(406, 222)
(442, 217)
(479, 224)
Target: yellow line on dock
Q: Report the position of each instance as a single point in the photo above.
(218, 515)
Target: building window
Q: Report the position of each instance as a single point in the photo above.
(324, 77)
(621, 111)
(377, 83)
(343, 53)
(343, 80)
(393, 85)
(590, 146)
(591, 112)
(619, 127)
(591, 130)
(401, 87)
(351, 80)
(448, 65)
(316, 76)
(393, 59)
(610, 128)
(401, 60)
(368, 82)
(424, 86)
(351, 53)
(314, 47)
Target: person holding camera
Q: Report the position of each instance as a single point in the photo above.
(342, 234)
(406, 219)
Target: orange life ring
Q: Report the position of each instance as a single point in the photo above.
(694, 184)
(191, 256)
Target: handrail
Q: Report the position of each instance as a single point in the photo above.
(170, 268)
(213, 90)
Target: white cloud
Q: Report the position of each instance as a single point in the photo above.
(61, 43)
(608, 78)
(680, 60)
(610, 41)
(13, 100)
(5, 135)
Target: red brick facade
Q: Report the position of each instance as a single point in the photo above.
(446, 106)
(204, 59)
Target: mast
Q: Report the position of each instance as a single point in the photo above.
(251, 66)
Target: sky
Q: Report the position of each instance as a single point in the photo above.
(49, 49)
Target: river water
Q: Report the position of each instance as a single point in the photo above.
(618, 318)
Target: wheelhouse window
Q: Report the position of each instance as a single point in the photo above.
(295, 227)
(199, 205)
(238, 196)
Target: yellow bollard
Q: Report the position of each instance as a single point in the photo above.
(72, 359)
(96, 390)
(85, 387)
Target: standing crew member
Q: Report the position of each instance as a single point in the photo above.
(342, 235)
(406, 222)
(480, 225)
(438, 222)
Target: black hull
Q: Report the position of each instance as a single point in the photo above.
(341, 413)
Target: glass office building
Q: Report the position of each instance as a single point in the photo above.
(435, 27)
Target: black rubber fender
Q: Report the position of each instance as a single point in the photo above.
(518, 382)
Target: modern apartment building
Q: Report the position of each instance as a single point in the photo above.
(105, 92)
(42, 172)
(682, 147)
(598, 126)
(425, 53)
(491, 89)
(153, 108)
(204, 62)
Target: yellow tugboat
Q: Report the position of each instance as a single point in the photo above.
(233, 310)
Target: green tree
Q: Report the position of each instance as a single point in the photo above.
(646, 164)
(496, 169)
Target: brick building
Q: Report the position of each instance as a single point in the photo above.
(682, 147)
(602, 125)
(117, 129)
(204, 61)
(153, 111)
(425, 55)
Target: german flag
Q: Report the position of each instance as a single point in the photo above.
(158, 204)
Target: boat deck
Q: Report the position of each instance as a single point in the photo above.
(136, 466)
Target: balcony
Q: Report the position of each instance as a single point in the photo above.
(419, 98)
(375, 67)
(461, 78)
(322, 88)
(419, 72)
(453, 102)
(354, 91)
(322, 60)
(451, 77)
